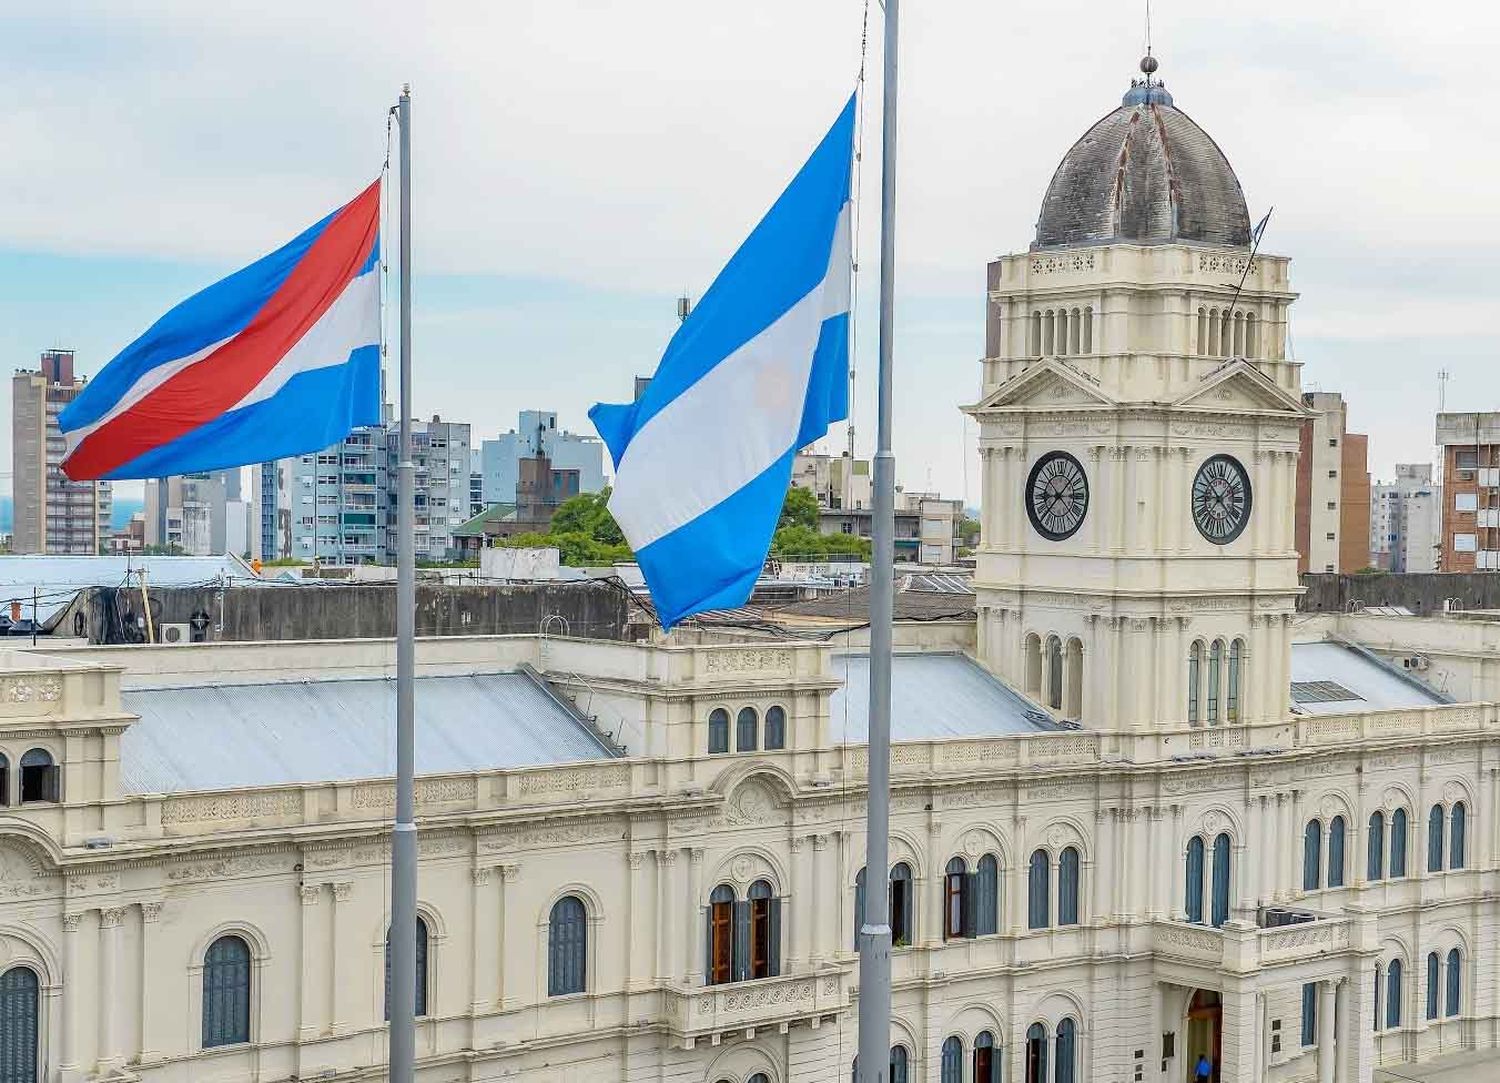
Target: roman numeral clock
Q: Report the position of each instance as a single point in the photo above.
(1221, 499)
(1057, 495)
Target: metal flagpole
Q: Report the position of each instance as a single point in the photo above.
(875, 935)
(403, 934)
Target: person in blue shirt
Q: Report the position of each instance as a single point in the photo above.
(1203, 1070)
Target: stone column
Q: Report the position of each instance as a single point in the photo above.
(1117, 511)
(1150, 820)
(1099, 911)
(343, 953)
(73, 990)
(824, 903)
(799, 908)
(677, 878)
(1014, 900)
(692, 942)
(1126, 844)
(486, 961)
(1292, 859)
(150, 925)
(1278, 849)
(637, 957)
(665, 859)
(1242, 1034)
(1262, 1053)
(1327, 1054)
(308, 999)
(110, 997)
(1132, 524)
(512, 940)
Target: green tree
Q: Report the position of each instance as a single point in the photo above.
(587, 513)
(800, 542)
(800, 508)
(968, 531)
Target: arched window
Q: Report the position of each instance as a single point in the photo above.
(721, 907)
(19, 1004)
(901, 908)
(986, 1063)
(1067, 887)
(1195, 676)
(1215, 664)
(1049, 325)
(718, 730)
(1193, 892)
(226, 992)
(759, 1077)
(1455, 982)
(765, 931)
(1393, 994)
(859, 905)
(953, 1061)
(1036, 1054)
(957, 906)
(1232, 703)
(40, 777)
(1336, 852)
(1033, 651)
(1075, 332)
(1435, 833)
(744, 729)
(1202, 332)
(1034, 336)
(1252, 335)
(567, 947)
(1054, 673)
(1067, 1036)
(1312, 854)
(987, 896)
(1458, 826)
(898, 1064)
(1432, 985)
(775, 728)
(4, 780)
(1398, 842)
(1375, 857)
(1073, 679)
(1221, 881)
(1378, 993)
(1038, 903)
(421, 969)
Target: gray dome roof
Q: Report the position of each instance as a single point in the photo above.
(1145, 174)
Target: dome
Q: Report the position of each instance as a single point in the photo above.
(1145, 174)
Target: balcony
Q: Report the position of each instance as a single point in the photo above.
(1239, 947)
(708, 1011)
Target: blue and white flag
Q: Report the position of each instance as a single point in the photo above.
(758, 370)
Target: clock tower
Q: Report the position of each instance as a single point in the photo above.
(1139, 423)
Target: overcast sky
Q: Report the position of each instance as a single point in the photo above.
(579, 164)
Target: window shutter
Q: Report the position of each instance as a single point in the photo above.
(968, 901)
(773, 959)
(741, 954)
(51, 783)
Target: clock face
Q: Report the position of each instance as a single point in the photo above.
(1221, 499)
(1057, 495)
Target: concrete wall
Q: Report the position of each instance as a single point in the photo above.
(354, 611)
(1423, 594)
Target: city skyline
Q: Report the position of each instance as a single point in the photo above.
(562, 305)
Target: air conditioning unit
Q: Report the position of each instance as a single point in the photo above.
(174, 635)
(1417, 662)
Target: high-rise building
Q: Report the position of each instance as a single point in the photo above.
(53, 514)
(1333, 489)
(190, 512)
(537, 434)
(1405, 520)
(441, 453)
(1470, 446)
(476, 481)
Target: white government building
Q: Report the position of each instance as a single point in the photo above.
(1143, 811)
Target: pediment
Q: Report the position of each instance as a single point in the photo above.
(1050, 384)
(1239, 387)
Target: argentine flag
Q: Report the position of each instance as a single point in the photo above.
(758, 370)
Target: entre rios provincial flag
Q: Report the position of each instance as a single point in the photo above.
(759, 369)
(280, 358)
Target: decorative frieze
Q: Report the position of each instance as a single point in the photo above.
(748, 660)
(240, 806)
(575, 779)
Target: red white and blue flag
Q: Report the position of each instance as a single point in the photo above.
(280, 358)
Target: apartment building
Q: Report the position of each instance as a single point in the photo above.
(53, 514)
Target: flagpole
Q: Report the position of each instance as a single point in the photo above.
(875, 935)
(403, 932)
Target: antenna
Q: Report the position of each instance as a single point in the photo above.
(684, 308)
(1443, 377)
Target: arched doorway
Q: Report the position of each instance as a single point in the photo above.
(1205, 1017)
